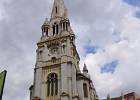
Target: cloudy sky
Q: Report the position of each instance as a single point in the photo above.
(108, 41)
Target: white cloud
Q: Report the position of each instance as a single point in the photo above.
(1, 11)
(113, 16)
(2, 8)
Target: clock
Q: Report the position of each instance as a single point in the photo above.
(54, 50)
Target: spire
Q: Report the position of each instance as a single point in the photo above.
(108, 97)
(59, 9)
(85, 68)
(122, 96)
(85, 71)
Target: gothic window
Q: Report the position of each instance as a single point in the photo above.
(56, 86)
(43, 29)
(39, 54)
(56, 10)
(63, 25)
(53, 59)
(46, 31)
(52, 84)
(85, 89)
(72, 38)
(63, 49)
(48, 86)
(54, 30)
(66, 26)
(57, 29)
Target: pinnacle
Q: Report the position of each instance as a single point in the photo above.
(85, 68)
(46, 21)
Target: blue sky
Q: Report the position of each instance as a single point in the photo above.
(91, 49)
(109, 67)
(133, 2)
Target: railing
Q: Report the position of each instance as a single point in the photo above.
(51, 62)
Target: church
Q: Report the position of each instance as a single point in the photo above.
(57, 75)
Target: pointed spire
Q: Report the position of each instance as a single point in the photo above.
(122, 96)
(85, 68)
(59, 9)
(108, 97)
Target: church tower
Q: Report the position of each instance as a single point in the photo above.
(57, 75)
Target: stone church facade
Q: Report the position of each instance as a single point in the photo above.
(57, 75)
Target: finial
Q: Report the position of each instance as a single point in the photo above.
(46, 21)
(85, 68)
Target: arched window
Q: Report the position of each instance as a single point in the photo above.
(46, 31)
(53, 29)
(56, 10)
(63, 48)
(57, 29)
(63, 25)
(85, 89)
(52, 84)
(66, 26)
(43, 31)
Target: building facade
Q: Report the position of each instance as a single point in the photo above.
(128, 96)
(57, 75)
(131, 96)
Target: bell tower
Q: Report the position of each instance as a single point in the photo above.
(57, 75)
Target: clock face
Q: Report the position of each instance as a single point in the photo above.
(54, 50)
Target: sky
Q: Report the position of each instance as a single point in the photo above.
(107, 39)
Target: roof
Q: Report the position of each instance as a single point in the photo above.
(115, 98)
(81, 76)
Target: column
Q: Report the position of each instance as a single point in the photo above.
(64, 82)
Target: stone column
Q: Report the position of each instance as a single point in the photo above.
(44, 88)
(74, 84)
(64, 78)
(64, 82)
(70, 80)
(38, 82)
